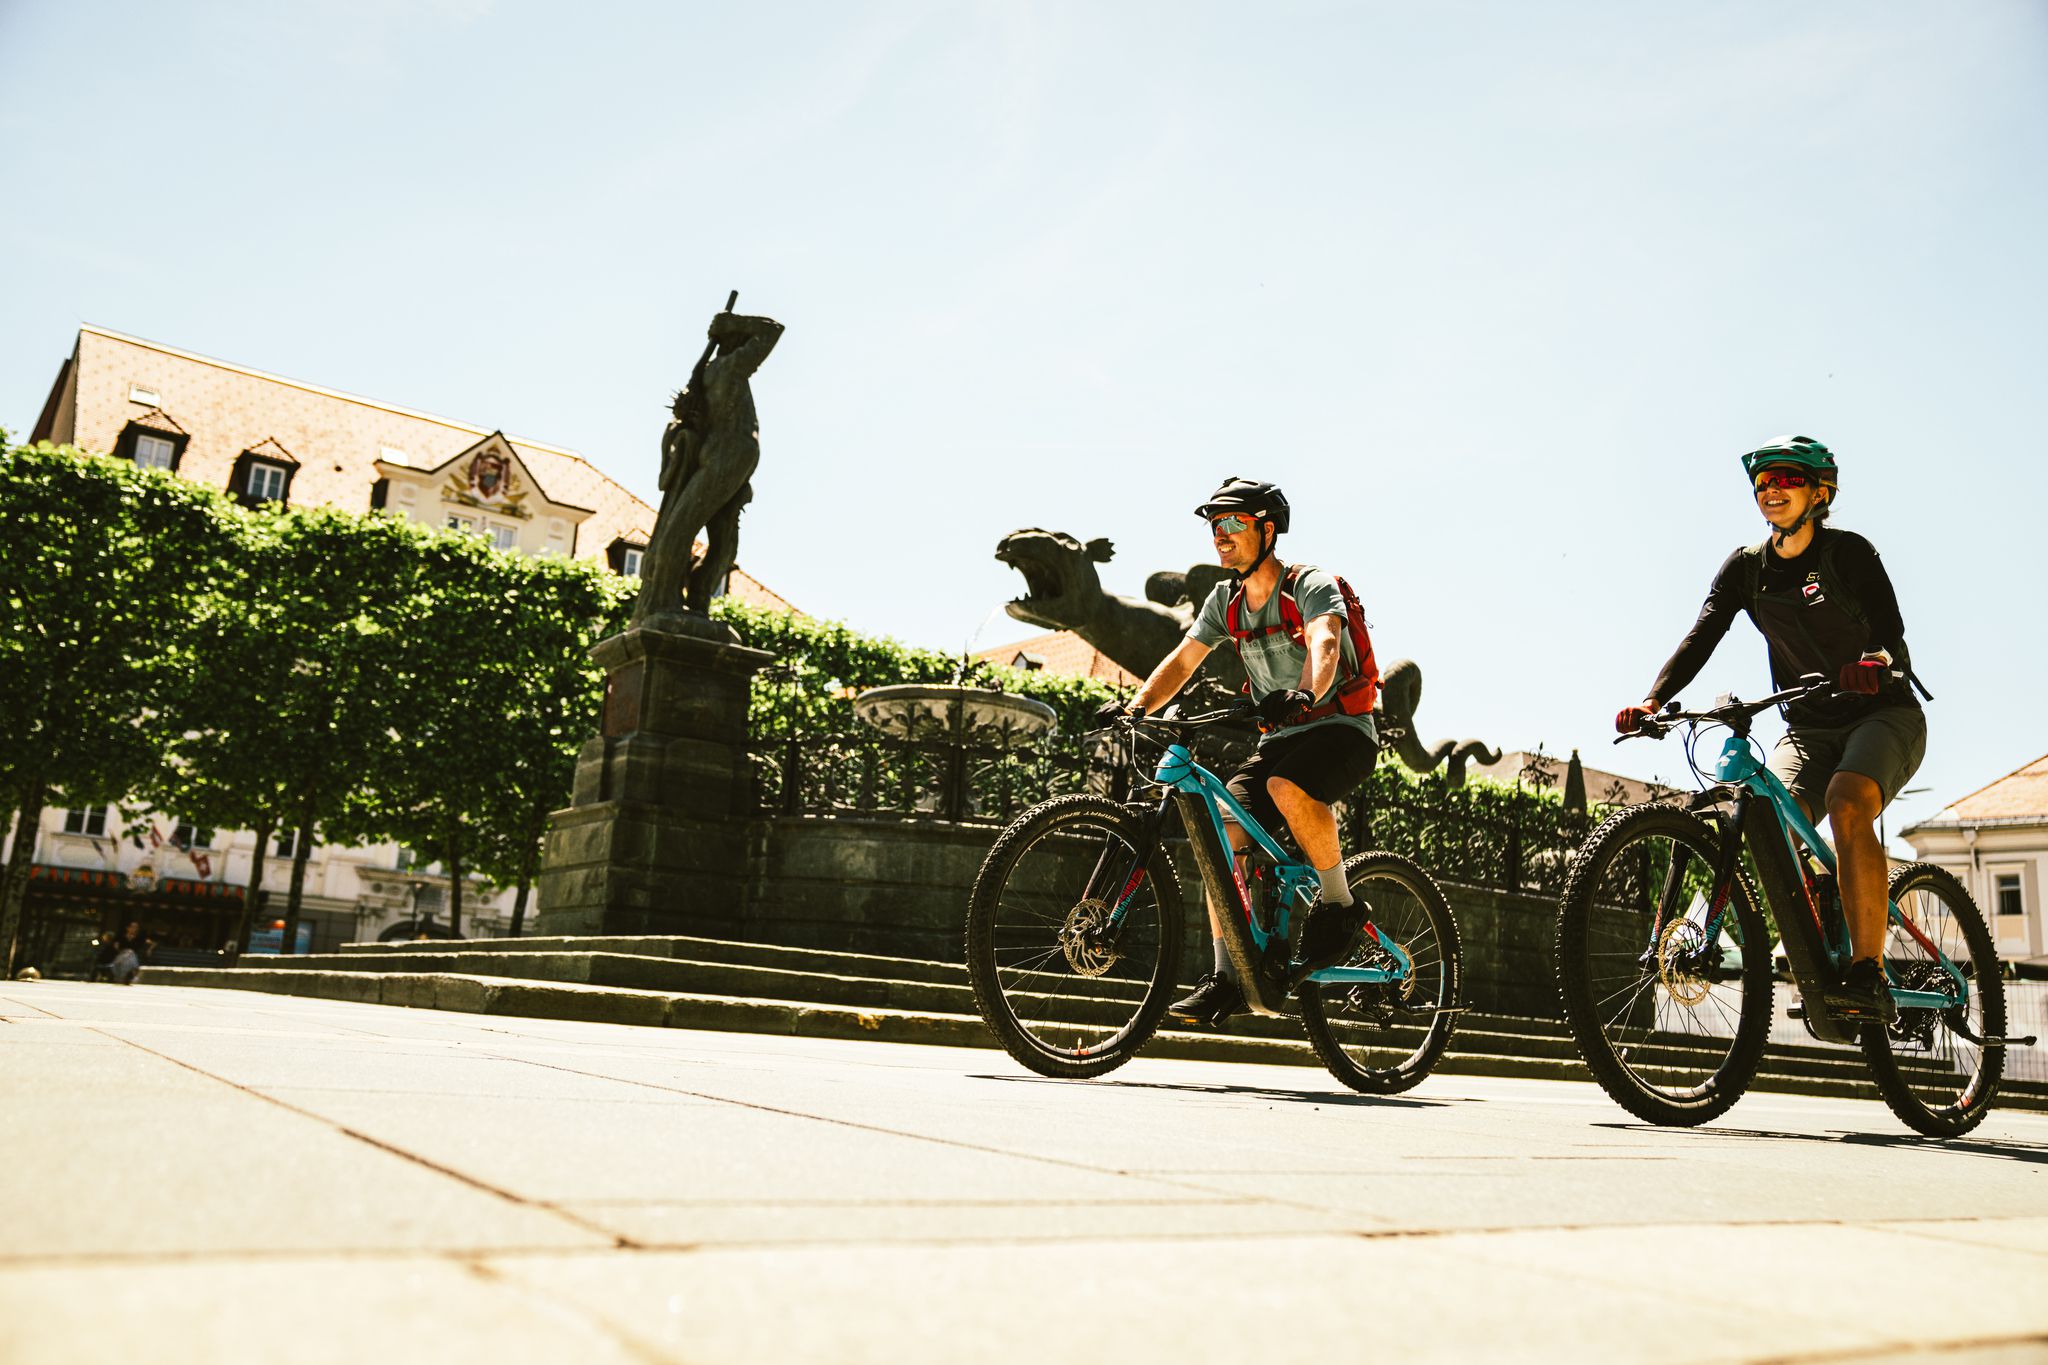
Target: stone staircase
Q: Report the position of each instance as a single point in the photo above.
(763, 988)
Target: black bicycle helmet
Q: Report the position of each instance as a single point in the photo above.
(1260, 501)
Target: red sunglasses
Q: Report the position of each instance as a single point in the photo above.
(1781, 478)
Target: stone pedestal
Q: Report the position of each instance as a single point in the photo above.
(652, 842)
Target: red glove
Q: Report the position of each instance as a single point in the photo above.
(1629, 719)
(1864, 677)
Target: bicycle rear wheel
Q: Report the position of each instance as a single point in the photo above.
(1060, 996)
(1934, 1078)
(1671, 1025)
(1385, 1038)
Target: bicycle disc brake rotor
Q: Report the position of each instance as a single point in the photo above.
(1081, 938)
(1678, 951)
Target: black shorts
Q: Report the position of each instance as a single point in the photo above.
(1326, 762)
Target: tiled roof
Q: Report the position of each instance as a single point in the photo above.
(2021, 794)
(337, 437)
(1065, 653)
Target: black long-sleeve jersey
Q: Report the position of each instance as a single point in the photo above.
(1817, 613)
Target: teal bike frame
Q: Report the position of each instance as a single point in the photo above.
(1740, 765)
(1816, 944)
(1253, 947)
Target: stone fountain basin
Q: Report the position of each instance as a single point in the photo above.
(944, 711)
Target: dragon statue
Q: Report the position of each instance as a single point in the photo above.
(1064, 592)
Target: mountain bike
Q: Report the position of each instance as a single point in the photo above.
(1075, 927)
(1665, 958)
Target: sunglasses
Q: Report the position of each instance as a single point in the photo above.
(1231, 524)
(1781, 478)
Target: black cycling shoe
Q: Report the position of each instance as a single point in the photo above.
(1214, 999)
(1326, 938)
(1863, 990)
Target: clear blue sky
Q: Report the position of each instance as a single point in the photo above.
(1499, 291)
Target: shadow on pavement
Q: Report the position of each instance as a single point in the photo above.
(1257, 1092)
(2033, 1153)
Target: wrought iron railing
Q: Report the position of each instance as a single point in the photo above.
(879, 777)
(1481, 834)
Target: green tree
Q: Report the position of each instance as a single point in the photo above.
(110, 585)
(229, 769)
(345, 596)
(554, 693)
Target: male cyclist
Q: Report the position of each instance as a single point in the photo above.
(1824, 604)
(1312, 679)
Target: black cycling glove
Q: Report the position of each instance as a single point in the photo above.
(1110, 712)
(1279, 708)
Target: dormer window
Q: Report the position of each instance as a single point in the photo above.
(265, 482)
(625, 557)
(263, 474)
(152, 441)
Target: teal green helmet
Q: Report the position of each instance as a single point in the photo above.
(1801, 451)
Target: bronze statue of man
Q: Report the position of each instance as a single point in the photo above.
(708, 453)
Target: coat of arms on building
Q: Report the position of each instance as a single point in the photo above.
(488, 479)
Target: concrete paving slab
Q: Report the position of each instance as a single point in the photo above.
(311, 1311)
(910, 1219)
(693, 1196)
(1119, 1301)
(696, 1150)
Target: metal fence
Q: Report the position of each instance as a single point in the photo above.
(1483, 834)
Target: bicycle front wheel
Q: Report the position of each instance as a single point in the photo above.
(1671, 1022)
(1383, 1039)
(1932, 1066)
(1064, 991)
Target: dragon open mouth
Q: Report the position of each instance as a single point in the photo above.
(1041, 583)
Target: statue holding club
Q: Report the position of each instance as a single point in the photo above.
(708, 454)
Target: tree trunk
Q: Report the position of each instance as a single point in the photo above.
(28, 822)
(454, 884)
(526, 871)
(252, 901)
(300, 853)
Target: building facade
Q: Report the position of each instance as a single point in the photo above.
(265, 438)
(1995, 840)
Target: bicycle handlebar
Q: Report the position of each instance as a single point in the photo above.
(1727, 710)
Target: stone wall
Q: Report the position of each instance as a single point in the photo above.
(900, 889)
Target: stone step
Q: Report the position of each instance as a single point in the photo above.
(1475, 1050)
(657, 946)
(711, 966)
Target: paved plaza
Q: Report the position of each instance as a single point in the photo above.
(199, 1175)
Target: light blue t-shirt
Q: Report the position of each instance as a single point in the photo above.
(1274, 662)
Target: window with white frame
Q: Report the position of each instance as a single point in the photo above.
(189, 835)
(462, 524)
(154, 452)
(504, 537)
(265, 481)
(2007, 895)
(629, 561)
(91, 820)
(287, 843)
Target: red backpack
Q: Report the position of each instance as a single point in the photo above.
(1356, 691)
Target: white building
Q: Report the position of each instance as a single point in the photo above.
(1996, 840)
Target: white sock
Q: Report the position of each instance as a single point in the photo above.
(1336, 891)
